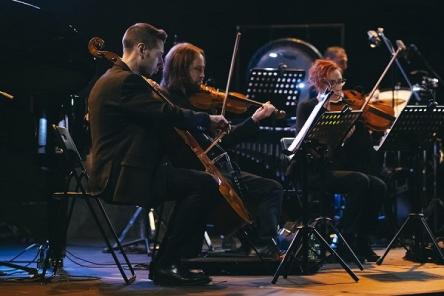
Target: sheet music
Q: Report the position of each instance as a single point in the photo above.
(303, 132)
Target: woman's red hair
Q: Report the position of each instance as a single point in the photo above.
(319, 71)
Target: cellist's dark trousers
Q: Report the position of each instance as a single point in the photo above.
(263, 198)
(195, 193)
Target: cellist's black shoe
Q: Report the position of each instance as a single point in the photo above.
(367, 253)
(268, 251)
(174, 275)
(364, 250)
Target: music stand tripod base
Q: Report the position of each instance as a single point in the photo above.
(30, 270)
(302, 234)
(417, 218)
(325, 223)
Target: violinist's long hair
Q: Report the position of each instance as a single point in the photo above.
(319, 71)
(177, 64)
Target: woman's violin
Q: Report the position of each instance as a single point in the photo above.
(378, 115)
(211, 98)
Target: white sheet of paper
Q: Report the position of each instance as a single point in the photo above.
(301, 135)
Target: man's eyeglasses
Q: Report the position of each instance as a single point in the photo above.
(336, 82)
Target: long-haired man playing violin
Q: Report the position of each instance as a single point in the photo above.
(183, 74)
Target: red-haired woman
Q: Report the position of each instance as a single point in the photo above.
(348, 172)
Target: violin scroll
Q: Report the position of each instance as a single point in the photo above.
(95, 45)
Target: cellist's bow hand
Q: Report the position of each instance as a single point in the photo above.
(265, 111)
(219, 122)
(220, 127)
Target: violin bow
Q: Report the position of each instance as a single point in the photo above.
(230, 73)
(395, 54)
(227, 89)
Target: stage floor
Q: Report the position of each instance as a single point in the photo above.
(395, 276)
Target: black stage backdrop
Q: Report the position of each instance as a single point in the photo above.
(208, 24)
(212, 26)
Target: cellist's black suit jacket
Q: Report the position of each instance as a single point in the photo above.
(127, 119)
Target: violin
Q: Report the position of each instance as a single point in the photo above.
(211, 98)
(378, 115)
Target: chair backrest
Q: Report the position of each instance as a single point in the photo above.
(286, 142)
(71, 156)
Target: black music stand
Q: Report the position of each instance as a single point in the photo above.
(281, 86)
(411, 131)
(329, 130)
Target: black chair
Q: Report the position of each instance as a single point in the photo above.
(75, 172)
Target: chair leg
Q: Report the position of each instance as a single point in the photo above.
(70, 211)
(156, 243)
(116, 239)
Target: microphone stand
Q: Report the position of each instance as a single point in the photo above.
(432, 207)
(390, 48)
(427, 64)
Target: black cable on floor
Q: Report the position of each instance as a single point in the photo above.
(100, 265)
